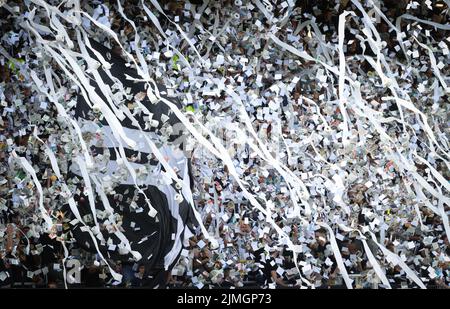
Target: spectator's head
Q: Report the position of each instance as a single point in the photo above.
(118, 267)
(445, 239)
(217, 265)
(141, 269)
(226, 273)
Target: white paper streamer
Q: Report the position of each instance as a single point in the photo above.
(30, 170)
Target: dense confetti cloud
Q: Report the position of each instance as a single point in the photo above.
(217, 143)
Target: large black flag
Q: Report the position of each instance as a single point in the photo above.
(158, 239)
